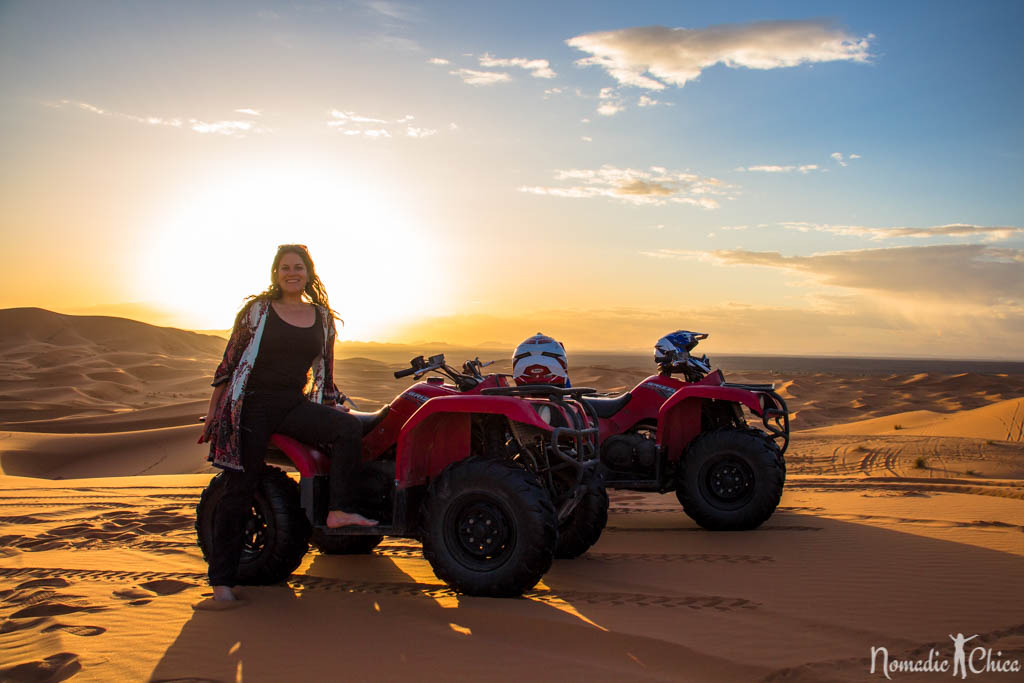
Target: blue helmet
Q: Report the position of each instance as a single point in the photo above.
(676, 346)
(672, 352)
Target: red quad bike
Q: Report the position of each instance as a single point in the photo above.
(692, 436)
(495, 480)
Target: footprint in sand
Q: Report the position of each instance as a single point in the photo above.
(12, 626)
(53, 609)
(40, 583)
(134, 596)
(58, 667)
(167, 586)
(40, 600)
(145, 592)
(134, 593)
(75, 630)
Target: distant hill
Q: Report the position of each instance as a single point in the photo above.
(58, 366)
(26, 325)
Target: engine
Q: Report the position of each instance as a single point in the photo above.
(629, 453)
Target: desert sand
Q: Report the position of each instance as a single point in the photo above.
(902, 524)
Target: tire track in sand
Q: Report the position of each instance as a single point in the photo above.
(414, 551)
(403, 589)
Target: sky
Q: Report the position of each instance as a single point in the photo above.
(789, 177)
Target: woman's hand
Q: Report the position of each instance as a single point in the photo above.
(340, 406)
(211, 411)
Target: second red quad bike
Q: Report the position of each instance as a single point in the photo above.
(495, 480)
(692, 436)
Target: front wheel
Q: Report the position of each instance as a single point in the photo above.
(731, 479)
(490, 528)
(276, 530)
(584, 526)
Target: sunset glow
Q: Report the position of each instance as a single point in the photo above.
(217, 243)
(785, 182)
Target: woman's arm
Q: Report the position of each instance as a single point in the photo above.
(237, 343)
(331, 395)
(218, 391)
(240, 334)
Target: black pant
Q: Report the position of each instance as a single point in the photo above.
(265, 413)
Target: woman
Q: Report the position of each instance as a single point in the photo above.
(263, 386)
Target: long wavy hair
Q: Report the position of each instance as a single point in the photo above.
(314, 290)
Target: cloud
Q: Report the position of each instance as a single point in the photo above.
(223, 127)
(964, 274)
(413, 132)
(343, 118)
(538, 68)
(654, 186)
(352, 124)
(393, 10)
(986, 233)
(804, 168)
(838, 156)
(250, 112)
(654, 57)
(789, 168)
(474, 77)
(611, 102)
(646, 101)
(438, 60)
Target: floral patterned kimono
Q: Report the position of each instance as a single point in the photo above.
(239, 358)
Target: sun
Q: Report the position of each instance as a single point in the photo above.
(216, 245)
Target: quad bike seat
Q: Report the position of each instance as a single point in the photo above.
(607, 407)
(370, 420)
(279, 442)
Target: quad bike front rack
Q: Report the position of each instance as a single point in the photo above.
(585, 440)
(774, 415)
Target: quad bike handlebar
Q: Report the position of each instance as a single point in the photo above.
(467, 379)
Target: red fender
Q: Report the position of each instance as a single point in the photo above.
(679, 416)
(308, 461)
(438, 433)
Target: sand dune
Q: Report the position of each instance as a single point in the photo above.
(1002, 421)
(886, 536)
(58, 366)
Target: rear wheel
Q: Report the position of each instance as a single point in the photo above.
(584, 526)
(490, 528)
(276, 531)
(731, 479)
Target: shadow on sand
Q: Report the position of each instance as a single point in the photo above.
(802, 598)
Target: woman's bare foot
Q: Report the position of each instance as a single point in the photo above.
(224, 597)
(223, 593)
(338, 518)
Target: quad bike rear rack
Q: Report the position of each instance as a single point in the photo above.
(774, 414)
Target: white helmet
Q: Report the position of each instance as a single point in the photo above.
(540, 360)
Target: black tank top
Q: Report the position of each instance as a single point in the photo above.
(285, 355)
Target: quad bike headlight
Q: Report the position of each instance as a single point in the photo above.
(543, 412)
